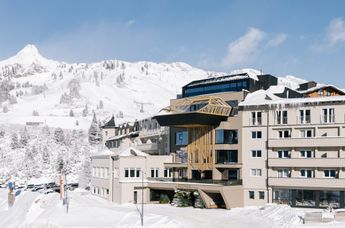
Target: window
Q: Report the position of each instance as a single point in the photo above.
(304, 116)
(328, 92)
(256, 118)
(307, 173)
(284, 134)
(256, 135)
(251, 194)
(307, 133)
(256, 154)
(282, 117)
(226, 156)
(261, 195)
(181, 138)
(284, 154)
(106, 133)
(282, 173)
(320, 92)
(330, 173)
(234, 106)
(328, 115)
(255, 172)
(226, 136)
(306, 154)
(168, 172)
(154, 172)
(132, 172)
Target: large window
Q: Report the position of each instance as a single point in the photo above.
(284, 154)
(256, 172)
(307, 173)
(307, 133)
(256, 118)
(132, 172)
(181, 138)
(328, 115)
(307, 154)
(226, 136)
(256, 134)
(216, 88)
(330, 173)
(284, 134)
(251, 195)
(282, 173)
(168, 172)
(304, 116)
(256, 154)
(226, 156)
(154, 172)
(282, 117)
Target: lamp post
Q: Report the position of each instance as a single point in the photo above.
(142, 198)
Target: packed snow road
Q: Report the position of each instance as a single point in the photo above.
(34, 210)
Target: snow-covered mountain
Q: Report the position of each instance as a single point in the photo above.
(36, 89)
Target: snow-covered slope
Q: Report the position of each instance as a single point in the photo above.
(36, 89)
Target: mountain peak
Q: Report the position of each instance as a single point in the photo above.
(29, 55)
(29, 52)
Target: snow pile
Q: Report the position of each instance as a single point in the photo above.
(251, 72)
(290, 81)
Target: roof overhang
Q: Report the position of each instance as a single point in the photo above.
(189, 119)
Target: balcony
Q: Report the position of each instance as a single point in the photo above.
(328, 183)
(306, 162)
(202, 181)
(306, 142)
(147, 147)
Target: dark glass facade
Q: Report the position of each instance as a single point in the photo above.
(226, 136)
(226, 156)
(181, 138)
(228, 86)
(309, 198)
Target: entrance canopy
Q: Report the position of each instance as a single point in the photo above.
(195, 111)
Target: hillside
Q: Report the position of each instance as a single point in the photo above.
(41, 90)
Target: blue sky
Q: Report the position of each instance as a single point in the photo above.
(302, 38)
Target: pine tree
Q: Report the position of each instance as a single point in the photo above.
(59, 136)
(24, 137)
(94, 131)
(14, 141)
(71, 113)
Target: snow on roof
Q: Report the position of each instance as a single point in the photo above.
(320, 86)
(290, 81)
(258, 98)
(252, 73)
(130, 151)
(218, 79)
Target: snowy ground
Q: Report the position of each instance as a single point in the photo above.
(38, 210)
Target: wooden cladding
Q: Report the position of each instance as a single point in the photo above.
(201, 148)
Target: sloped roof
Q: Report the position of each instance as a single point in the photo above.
(322, 86)
(130, 151)
(110, 123)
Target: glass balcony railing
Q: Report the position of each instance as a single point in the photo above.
(202, 181)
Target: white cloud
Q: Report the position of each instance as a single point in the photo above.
(131, 22)
(277, 40)
(336, 31)
(335, 35)
(242, 49)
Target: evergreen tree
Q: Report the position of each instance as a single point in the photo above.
(94, 131)
(24, 137)
(71, 113)
(14, 141)
(59, 136)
